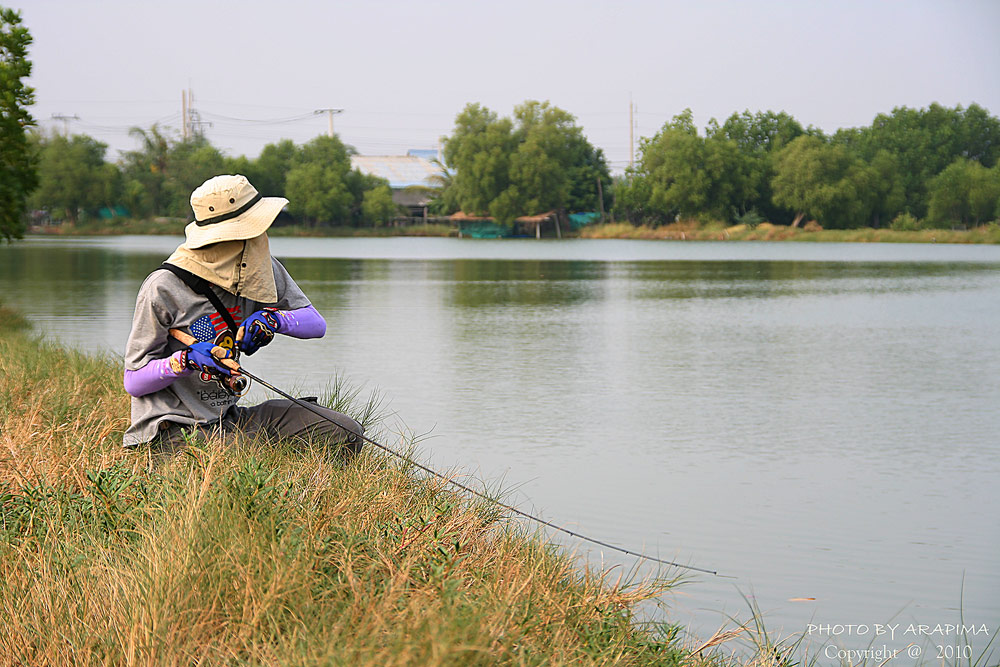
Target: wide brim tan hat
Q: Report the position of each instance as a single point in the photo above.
(228, 208)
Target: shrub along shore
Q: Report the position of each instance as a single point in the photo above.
(679, 231)
(250, 552)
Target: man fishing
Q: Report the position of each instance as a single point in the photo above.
(218, 295)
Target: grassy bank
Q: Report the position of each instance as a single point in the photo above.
(681, 231)
(175, 227)
(691, 231)
(253, 552)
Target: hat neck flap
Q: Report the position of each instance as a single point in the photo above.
(242, 268)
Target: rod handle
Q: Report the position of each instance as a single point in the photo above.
(189, 340)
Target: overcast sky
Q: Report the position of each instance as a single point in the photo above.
(402, 70)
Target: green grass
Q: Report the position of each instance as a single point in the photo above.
(252, 552)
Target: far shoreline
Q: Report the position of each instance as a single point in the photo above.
(681, 231)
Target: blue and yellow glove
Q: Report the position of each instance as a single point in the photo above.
(200, 358)
(258, 330)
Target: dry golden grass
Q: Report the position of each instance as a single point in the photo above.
(693, 231)
(255, 552)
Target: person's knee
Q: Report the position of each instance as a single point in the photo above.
(335, 428)
(353, 440)
(348, 434)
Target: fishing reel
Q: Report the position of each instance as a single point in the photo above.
(236, 386)
(231, 384)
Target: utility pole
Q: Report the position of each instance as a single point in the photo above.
(631, 128)
(191, 119)
(600, 198)
(329, 113)
(65, 119)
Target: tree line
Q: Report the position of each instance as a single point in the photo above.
(912, 167)
(158, 177)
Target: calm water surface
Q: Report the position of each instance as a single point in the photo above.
(814, 421)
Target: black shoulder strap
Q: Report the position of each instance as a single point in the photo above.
(201, 286)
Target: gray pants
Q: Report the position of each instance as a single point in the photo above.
(277, 418)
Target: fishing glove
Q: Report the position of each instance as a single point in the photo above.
(259, 330)
(200, 358)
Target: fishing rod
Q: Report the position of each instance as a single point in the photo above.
(188, 340)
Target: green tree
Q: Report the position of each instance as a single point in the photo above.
(762, 132)
(18, 175)
(270, 169)
(536, 162)
(73, 176)
(318, 194)
(685, 175)
(759, 136)
(823, 181)
(145, 173)
(377, 205)
(446, 201)
(317, 186)
(189, 164)
(984, 195)
(161, 174)
(554, 166)
(884, 188)
(965, 193)
(926, 141)
(479, 151)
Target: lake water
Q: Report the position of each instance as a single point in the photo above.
(812, 421)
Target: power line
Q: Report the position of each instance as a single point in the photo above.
(65, 120)
(261, 121)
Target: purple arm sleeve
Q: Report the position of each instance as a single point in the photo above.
(302, 323)
(154, 376)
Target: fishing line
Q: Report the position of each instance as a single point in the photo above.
(187, 340)
(468, 489)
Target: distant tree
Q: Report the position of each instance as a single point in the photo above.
(762, 132)
(631, 199)
(269, 171)
(926, 141)
(759, 136)
(965, 193)
(479, 151)
(446, 200)
(161, 174)
(883, 185)
(984, 196)
(189, 164)
(145, 173)
(377, 206)
(823, 181)
(317, 185)
(18, 175)
(555, 167)
(536, 162)
(684, 175)
(240, 164)
(318, 194)
(74, 177)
